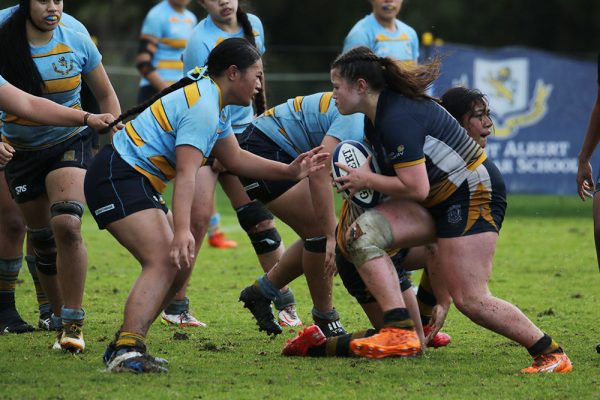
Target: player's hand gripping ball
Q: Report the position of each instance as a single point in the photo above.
(354, 154)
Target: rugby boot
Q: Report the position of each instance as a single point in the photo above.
(306, 338)
(181, 320)
(288, 317)
(260, 307)
(557, 361)
(389, 342)
(441, 339)
(11, 322)
(219, 241)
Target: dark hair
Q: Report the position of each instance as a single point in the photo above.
(459, 101)
(16, 64)
(233, 51)
(260, 100)
(383, 72)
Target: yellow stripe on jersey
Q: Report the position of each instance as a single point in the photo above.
(384, 38)
(58, 49)
(170, 64)
(158, 110)
(480, 206)
(477, 162)
(298, 103)
(409, 163)
(164, 166)
(133, 135)
(270, 112)
(284, 133)
(324, 103)
(63, 85)
(192, 94)
(175, 43)
(155, 181)
(13, 119)
(439, 193)
(45, 145)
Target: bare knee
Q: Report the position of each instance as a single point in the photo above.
(12, 228)
(199, 226)
(472, 305)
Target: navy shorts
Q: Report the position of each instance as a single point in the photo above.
(26, 172)
(256, 142)
(356, 286)
(478, 204)
(114, 190)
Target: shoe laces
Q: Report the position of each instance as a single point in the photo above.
(545, 359)
(399, 334)
(185, 316)
(73, 330)
(291, 310)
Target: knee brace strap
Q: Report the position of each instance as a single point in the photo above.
(317, 244)
(369, 237)
(44, 248)
(68, 207)
(252, 214)
(265, 241)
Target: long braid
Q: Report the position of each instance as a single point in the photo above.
(260, 100)
(141, 107)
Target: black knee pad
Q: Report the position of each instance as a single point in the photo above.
(44, 248)
(68, 207)
(252, 214)
(265, 241)
(317, 244)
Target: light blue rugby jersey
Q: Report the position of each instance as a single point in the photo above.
(172, 29)
(402, 45)
(205, 37)
(192, 115)
(65, 20)
(2, 81)
(61, 62)
(300, 124)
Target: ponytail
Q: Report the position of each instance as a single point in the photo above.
(243, 20)
(383, 72)
(260, 100)
(234, 51)
(16, 64)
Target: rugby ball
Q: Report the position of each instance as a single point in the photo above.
(354, 154)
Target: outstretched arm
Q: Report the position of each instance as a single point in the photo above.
(243, 163)
(18, 102)
(585, 181)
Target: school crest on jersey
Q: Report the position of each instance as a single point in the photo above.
(63, 67)
(454, 214)
(514, 103)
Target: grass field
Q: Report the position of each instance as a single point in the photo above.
(545, 263)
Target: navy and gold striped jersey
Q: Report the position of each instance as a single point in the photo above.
(192, 115)
(409, 132)
(61, 63)
(300, 124)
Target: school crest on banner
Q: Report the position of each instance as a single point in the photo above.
(507, 85)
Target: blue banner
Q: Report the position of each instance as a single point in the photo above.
(540, 103)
